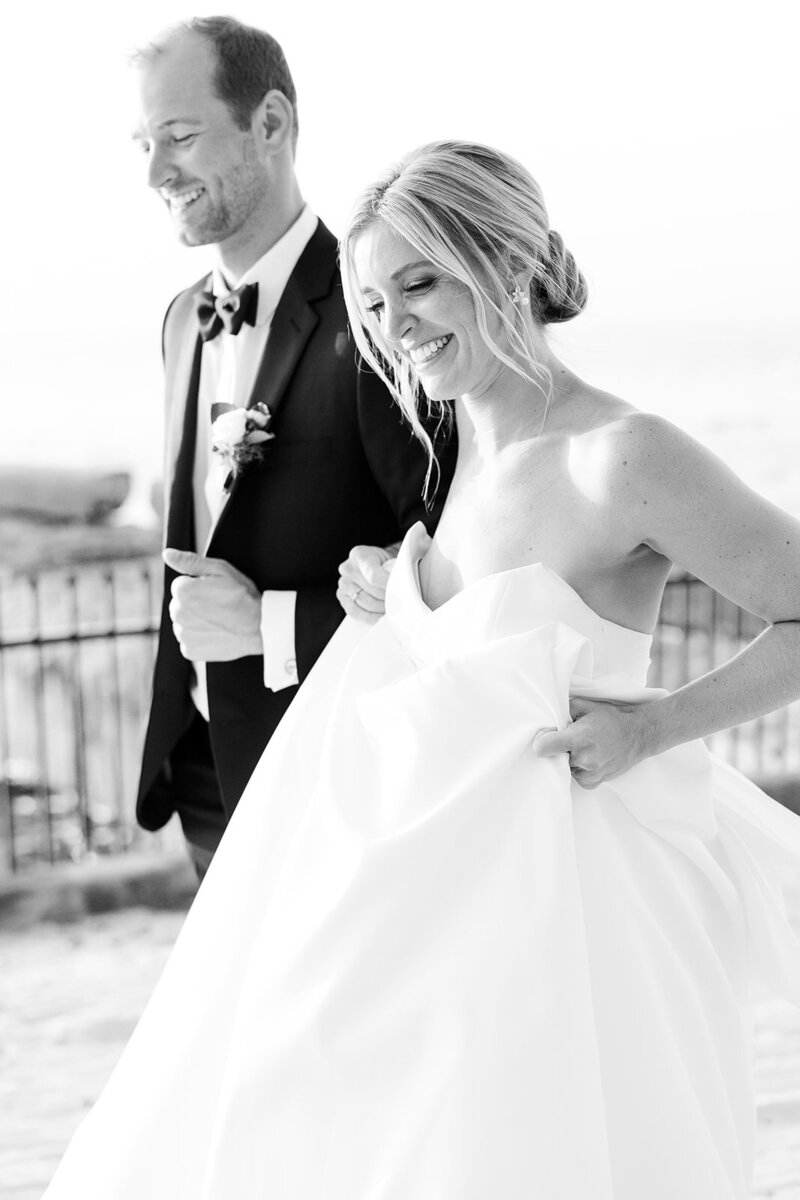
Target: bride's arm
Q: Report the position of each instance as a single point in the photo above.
(762, 677)
(678, 498)
(606, 739)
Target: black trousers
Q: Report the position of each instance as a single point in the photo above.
(196, 792)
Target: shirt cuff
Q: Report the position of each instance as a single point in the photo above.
(277, 637)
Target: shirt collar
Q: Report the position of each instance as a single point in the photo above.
(271, 272)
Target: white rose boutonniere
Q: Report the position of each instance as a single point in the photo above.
(238, 435)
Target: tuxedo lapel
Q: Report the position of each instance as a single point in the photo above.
(292, 326)
(183, 385)
(295, 319)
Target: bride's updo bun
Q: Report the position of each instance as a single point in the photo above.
(559, 293)
(479, 216)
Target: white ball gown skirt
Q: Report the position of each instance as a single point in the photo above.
(425, 965)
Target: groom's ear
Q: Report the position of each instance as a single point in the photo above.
(273, 123)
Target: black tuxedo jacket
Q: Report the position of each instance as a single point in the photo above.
(342, 469)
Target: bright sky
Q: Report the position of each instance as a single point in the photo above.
(664, 137)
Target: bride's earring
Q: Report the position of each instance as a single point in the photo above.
(517, 296)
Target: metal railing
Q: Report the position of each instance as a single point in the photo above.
(76, 655)
(698, 629)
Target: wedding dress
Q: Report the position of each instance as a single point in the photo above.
(426, 965)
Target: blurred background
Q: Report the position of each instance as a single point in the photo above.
(665, 143)
(665, 140)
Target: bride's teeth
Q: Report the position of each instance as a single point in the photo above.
(428, 349)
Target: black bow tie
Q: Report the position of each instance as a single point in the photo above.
(227, 312)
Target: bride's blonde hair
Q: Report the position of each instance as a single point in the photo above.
(479, 216)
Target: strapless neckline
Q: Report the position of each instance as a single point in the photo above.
(417, 543)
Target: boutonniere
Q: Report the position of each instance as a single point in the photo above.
(238, 435)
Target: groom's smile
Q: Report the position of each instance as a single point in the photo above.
(183, 199)
(194, 213)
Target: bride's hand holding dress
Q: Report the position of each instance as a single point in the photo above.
(363, 577)
(602, 740)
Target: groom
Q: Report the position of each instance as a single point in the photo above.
(253, 546)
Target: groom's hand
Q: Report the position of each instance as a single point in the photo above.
(215, 609)
(362, 582)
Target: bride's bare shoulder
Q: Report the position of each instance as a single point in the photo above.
(615, 445)
(604, 420)
(589, 410)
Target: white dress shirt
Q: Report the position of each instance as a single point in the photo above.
(227, 374)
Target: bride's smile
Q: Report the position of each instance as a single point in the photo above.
(421, 355)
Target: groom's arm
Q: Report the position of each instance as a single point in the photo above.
(317, 617)
(397, 459)
(399, 462)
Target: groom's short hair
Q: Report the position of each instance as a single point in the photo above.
(250, 63)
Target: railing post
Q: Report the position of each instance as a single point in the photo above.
(117, 705)
(6, 795)
(81, 775)
(42, 740)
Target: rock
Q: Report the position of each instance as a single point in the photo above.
(60, 495)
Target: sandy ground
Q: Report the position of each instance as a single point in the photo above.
(70, 995)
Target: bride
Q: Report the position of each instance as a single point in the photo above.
(493, 935)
